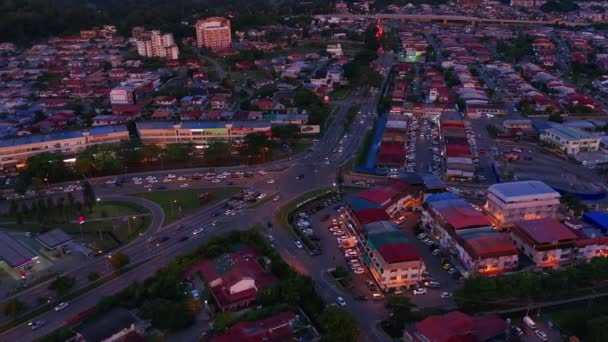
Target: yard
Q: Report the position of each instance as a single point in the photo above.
(181, 203)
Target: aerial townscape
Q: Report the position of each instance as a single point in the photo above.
(319, 170)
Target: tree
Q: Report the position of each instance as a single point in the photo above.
(255, 145)
(62, 285)
(13, 208)
(119, 260)
(217, 151)
(166, 314)
(179, 152)
(88, 194)
(228, 83)
(338, 325)
(92, 276)
(14, 307)
(287, 132)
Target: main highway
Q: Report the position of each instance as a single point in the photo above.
(312, 170)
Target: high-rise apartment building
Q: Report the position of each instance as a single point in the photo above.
(213, 33)
(155, 44)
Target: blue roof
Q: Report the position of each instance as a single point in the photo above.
(251, 124)
(380, 227)
(449, 203)
(107, 129)
(40, 138)
(442, 196)
(358, 203)
(203, 124)
(155, 124)
(597, 218)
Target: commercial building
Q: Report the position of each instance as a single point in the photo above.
(549, 243)
(213, 33)
(570, 140)
(465, 233)
(509, 203)
(15, 151)
(391, 259)
(198, 132)
(54, 239)
(14, 253)
(132, 92)
(156, 44)
(234, 279)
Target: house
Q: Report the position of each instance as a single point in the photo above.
(234, 279)
(456, 326)
(276, 328)
(103, 120)
(220, 101)
(263, 104)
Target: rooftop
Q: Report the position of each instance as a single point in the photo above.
(398, 252)
(568, 133)
(13, 252)
(522, 191)
(54, 238)
(543, 231)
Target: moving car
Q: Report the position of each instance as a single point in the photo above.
(37, 324)
(61, 306)
(299, 244)
(446, 295)
(198, 231)
(341, 301)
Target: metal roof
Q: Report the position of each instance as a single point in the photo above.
(13, 252)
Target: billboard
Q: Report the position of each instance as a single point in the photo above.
(310, 129)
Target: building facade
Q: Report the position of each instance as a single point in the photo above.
(198, 132)
(213, 33)
(509, 203)
(156, 44)
(571, 141)
(547, 242)
(15, 151)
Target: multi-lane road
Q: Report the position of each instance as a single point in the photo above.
(300, 174)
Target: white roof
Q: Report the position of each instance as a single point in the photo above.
(522, 191)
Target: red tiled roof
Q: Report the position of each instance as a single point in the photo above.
(463, 217)
(375, 196)
(398, 252)
(488, 327)
(453, 326)
(276, 328)
(370, 215)
(546, 230)
(453, 150)
(491, 246)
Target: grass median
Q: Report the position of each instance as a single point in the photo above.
(181, 203)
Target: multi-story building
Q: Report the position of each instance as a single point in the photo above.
(156, 44)
(570, 140)
(528, 3)
(391, 259)
(132, 92)
(198, 132)
(547, 242)
(213, 33)
(466, 234)
(15, 151)
(509, 203)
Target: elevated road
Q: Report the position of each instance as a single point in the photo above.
(449, 19)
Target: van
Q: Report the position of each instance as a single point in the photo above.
(529, 322)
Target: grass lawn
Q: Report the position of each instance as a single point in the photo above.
(339, 93)
(282, 213)
(181, 203)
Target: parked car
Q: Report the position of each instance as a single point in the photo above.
(37, 324)
(446, 295)
(299, 244)
(542, 335)
(420, 291)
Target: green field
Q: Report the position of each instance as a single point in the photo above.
(181, 203)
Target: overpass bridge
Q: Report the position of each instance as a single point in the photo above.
(448, 19)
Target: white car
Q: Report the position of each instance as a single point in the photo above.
(446, 295)
(185, 185)
(358, 271)
(299, 244)
(216, 181)
(542, 335)
(421, 236)
(341, 301)
(198, 231)
(111, 181)
(271, 181)
(420, 291)
(276, 198)
(61, 306)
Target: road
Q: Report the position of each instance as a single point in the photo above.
(304, 173)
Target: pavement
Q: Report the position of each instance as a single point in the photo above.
(314, 169)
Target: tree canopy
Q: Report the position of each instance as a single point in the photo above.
(338, 325)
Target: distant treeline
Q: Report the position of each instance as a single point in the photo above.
(26, 21)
